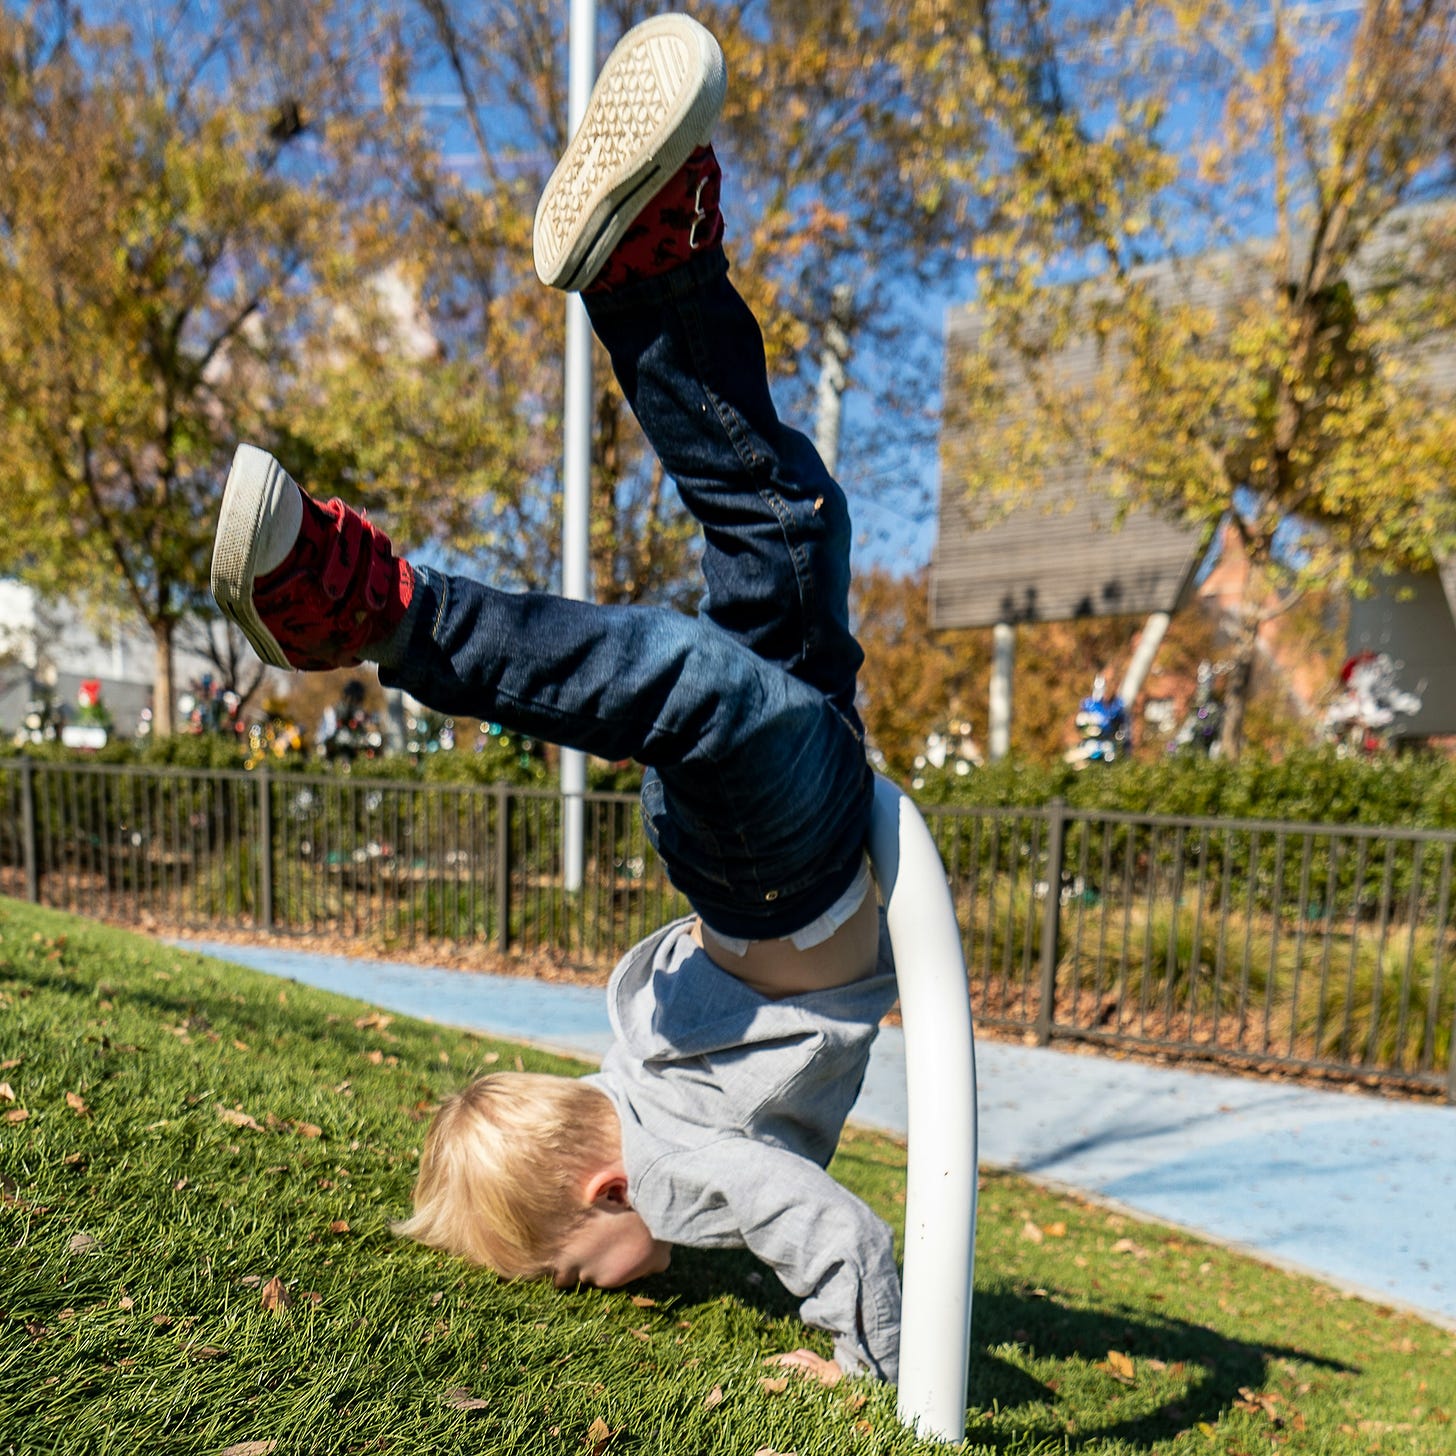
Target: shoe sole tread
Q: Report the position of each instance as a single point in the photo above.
(254, 485)
(656, 100)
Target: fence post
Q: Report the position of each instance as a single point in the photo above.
(29, 848)
(265, 849)
(503, 866)
(1051, 919)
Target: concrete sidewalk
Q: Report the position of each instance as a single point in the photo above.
(1355, 1189)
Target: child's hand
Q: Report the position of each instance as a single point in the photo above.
(807, 1363)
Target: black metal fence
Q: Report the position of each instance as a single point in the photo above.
(1301, 945)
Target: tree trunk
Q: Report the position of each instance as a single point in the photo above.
(162, 695)
(1236, 691)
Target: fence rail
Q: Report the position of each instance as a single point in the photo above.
(1308, 946)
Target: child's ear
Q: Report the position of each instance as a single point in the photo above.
(607, 1186)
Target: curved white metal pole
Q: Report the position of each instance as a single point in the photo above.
(940, 1076)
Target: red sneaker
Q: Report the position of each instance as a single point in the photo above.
(680, 220)
(653, 107)
(311, 586)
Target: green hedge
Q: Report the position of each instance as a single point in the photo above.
(1315, 786)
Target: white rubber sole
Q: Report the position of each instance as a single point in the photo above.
(653, 105)
(257, 492)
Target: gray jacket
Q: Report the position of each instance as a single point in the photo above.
(731, 1106)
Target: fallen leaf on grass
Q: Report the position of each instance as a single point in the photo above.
(774, 1384)
(237, 1118)
(462, 1399)
(308, 1129)
(597, 1436)
(339, 1226)
(249, 1448)
(770, 1451)
(276, 1295)
(77, 1104)
(7, 1092)
(1119, 1366)
(80, 1243)
(1127, 1246)
(374, 1019)
(644, 1301)
(10, 1062)
(1256, 1401)
(1031, 1233)
(807, 1363)
(713, 1398)
(16, 1114)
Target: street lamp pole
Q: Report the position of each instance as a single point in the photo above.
(576, 471)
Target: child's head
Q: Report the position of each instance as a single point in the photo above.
(522, 1171)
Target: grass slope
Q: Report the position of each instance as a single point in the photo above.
(176, 1134)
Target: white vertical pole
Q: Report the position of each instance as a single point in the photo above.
(1154, 630)
(576, 470)
(832, 377)
(940, 1078)
(1003, 662)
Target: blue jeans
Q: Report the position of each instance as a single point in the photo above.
(757, 794)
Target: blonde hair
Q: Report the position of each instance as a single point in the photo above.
(503, 1168)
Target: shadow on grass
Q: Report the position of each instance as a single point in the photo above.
(1214, 1367)
(1210, 1369)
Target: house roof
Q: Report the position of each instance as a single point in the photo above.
(1062, 552)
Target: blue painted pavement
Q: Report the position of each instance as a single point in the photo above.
(1356, 1189)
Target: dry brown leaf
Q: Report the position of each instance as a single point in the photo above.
(855, 1401)
(1120, 1367)
(713, 1398)
(1056, 1230)
(308, 1129)
(276, 1295)
(77, 1104)
(770, 1451)
(461, 1398)
(375, 1019)
(80, 1243)
(642, 1332)
(644, 1301)
(1031, 1232)
(236, 1118)
(10, 1062)
(7, 1092)
(249, 1448)
(809, 1365)
(597, 1436)
(774, 1384)
(16, 1114)
(1127, 1246)
(339, 1226)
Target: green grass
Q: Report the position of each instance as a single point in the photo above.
(141, 1228)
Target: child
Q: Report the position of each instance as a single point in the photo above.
(742, 1031)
